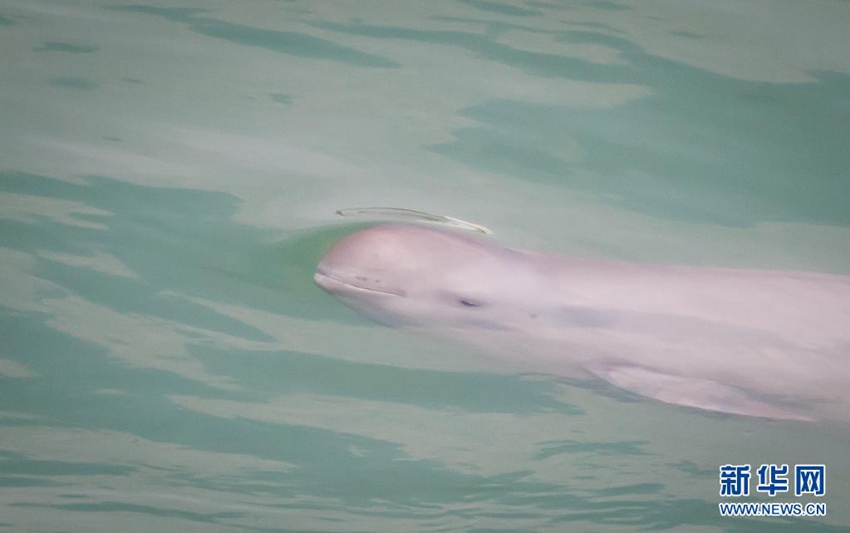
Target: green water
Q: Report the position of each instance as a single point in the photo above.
(169, 176)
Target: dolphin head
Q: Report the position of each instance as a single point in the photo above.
(417, 276)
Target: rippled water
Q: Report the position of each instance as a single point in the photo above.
(169, 177)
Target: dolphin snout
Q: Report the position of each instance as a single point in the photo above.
(344, 280)
(366, 262)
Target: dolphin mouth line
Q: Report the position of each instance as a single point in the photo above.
(326, 281)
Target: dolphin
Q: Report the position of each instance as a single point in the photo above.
(761, 343)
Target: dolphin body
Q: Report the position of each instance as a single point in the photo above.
(749, 342)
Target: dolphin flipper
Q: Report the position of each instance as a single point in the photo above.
(698, 393)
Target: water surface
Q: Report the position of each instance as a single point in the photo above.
(169, 176)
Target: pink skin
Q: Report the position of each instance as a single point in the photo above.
(760, 343)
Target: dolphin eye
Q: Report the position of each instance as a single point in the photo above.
(461, 300)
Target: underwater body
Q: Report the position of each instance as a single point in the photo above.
(750, 342)
(171, 174)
